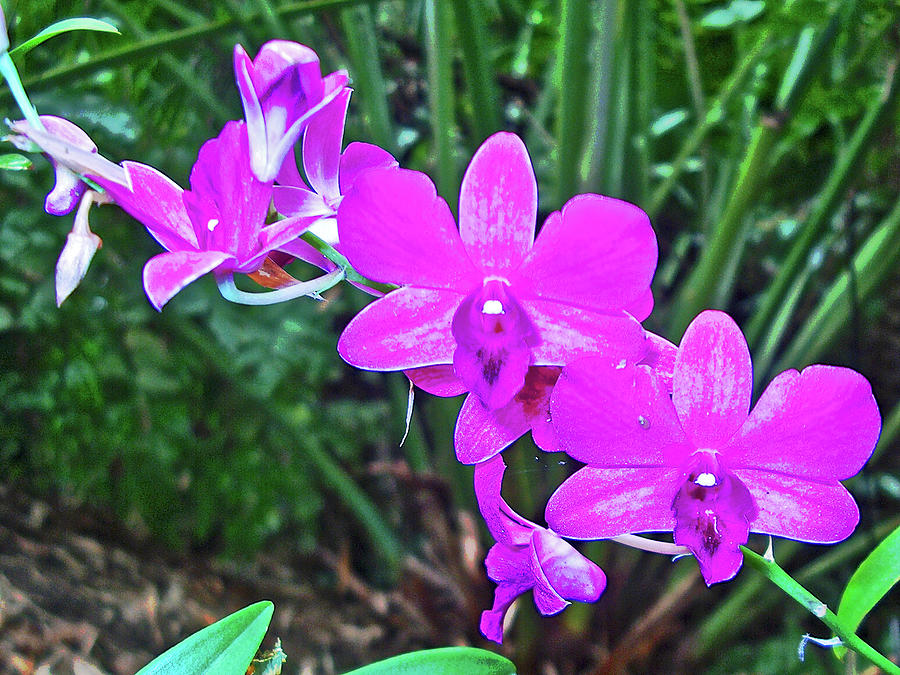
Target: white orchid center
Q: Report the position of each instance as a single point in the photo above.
(492, 307)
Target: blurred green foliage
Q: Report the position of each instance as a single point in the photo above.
(762, 138)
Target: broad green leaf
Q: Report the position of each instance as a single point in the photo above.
(14, 162)
(225, 648)
(64, 26)
(871, 581)
(443, 661)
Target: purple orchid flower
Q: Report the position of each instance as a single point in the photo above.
(330, 174)
(528, 557)
(281, 89)
(487, 302)
(218, 226)
(481, 432)
(698, 462)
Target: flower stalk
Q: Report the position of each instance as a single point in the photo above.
(773, 572)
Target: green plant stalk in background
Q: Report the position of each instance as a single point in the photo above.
(571, 84)
(774, 573)
(441, 98)
(368, 79)
(844, 172)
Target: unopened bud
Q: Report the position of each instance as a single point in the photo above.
(76, 256)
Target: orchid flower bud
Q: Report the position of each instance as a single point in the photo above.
(76, 256)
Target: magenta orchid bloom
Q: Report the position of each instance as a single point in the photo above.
(330, 174)
(219, 225)
(699, 462)
(281, 89)
(528, 557)
(481, 432)
(488, 301)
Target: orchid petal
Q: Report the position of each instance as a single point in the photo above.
(481, 432)
(299, 249)
(498, 204)
(506, 526)
(395, 229)
(612, 413)
(571, 575)
(407, 328)
(167, 273)
(298, 201)
(359, 157)
(601, 503)
(281, 232)
(546, 599)
(567, 332)
(713, 379)
(289, 174)
(599, 253)
(805, 510)
(253, 112)
(322, 146)
(437, 380)
(156, 201)
(821, 423)
(641, 308)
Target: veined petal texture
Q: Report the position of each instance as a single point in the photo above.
(598, 252)
(498, 204)
(394, 228)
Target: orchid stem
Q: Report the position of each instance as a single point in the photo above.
(334, 256)
(312, 288)
(774, 573)
(651, 545)
(11, 75)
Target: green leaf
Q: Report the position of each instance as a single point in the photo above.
(225, 648)
(14, 162)
(64, 26)
(871, 581)
(443, 661)
(739, 11)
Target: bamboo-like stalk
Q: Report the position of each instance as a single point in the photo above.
(876, 260)
(438, 46)
(368, 80)
(571, 83)
(844, 172)
(726, 240)
(484, 94)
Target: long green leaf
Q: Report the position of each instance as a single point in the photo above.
(443, 661)
(60, 27)
(225, 648)
(871, 581)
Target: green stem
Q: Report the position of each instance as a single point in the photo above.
(572, 70)
(479, 68)
(845, 171)
(350, 274)
(774, 573)
(11, 75)
(441, 99)
(713, 116)
(701, 285)
(873, 263)
(368, 79)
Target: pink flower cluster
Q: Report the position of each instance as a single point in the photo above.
(542, 332)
